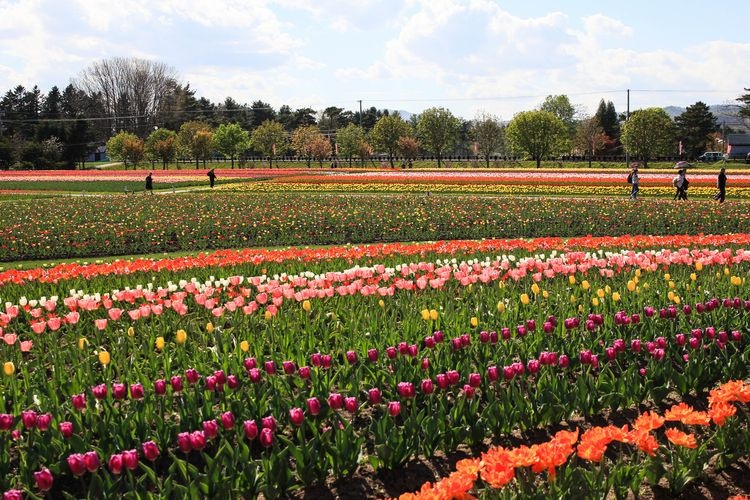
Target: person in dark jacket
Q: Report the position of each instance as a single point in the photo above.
(721, 183)
(211, 177)
(149, 183)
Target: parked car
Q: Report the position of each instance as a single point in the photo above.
(711, 156)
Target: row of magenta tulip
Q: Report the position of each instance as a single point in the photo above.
(495, 398)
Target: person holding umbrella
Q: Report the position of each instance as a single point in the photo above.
(680, 181)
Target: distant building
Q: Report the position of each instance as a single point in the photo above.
(99, 154)
(738, 146)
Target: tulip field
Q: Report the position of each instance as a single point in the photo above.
(314, 343)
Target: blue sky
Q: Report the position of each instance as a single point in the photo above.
(469, 56)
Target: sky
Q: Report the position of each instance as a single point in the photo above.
(469, 56)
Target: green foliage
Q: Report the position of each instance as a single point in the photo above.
(350, 140)
(537, 133)
(269, 139)
(560, 106)
(195, 140)
(488, 133)
(438, 130)
(127, 148)
(694, 126)
(386, 133)
(231, 140)
(649, 133)
(162, 145)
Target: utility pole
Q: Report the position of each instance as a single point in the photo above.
(360, 113)
(627, 117)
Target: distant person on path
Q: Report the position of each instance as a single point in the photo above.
(150, 183)
(211, 177)
(634, 180)
(681, 183)
(721, 183)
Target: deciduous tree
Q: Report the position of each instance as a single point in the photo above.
(386, 133)
(438, 130)
(231, 140)
(350, 139)
(161, 144)
(268, 139)
(648, 133)
(537, 133)
(487, 132)
(590, 137)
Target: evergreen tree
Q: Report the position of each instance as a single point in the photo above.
(694, 126)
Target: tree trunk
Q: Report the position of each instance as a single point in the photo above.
(163, 164)
(589, 161)
(440, 160)
(390, 158)
(487, 160)
(270, 162)
(233, 162)
(538, 161)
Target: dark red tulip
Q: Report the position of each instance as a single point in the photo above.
(43, 421)
(227, 420)
(251, 429)
(66, 429)
(79, 401)
(99, 391)
(439, 336)
(250, 363)
(296, 416)
(28, 417)
(254, 374)
(269, 422)
(211, 428)
(288, 367)
(372, 355)
(394, 408)
(176, 382)
(375, 396)
(468, 391)
(475, 379)
(427, 386)
(304, 372)
(160, 386)
(270, 367)
(192, 375)
(266, 437)
(198, 440)
(313, 406)
(184, 442)
(136, 391)
(150, 450)
(493, 373)
(91, 461)
(351, 357)
(115, 464)
(43, 479)
(130, 459)
(119, 391)
(233, 382)
(335, 401)
(351, 404)
(6, 421)
(221, 377)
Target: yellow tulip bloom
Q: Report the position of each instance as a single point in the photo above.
(104, 358)
(210, 327)
(9, 368)
(131, 331)
(159, 343)
(244, 346)
(425, 314)
(500, 306)
(181, 336)
(474, 321)
(306, 305)
(524, 298)
(433, 314)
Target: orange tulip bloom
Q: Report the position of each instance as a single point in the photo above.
(469, 466)
(680, 438)
(678, 412)
(523, 456)
(720, 412)
(644, 440)
(697, 418)
(648, 422)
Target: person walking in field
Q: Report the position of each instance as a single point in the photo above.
(150, 183)
(634, 180)
(211, 177)
(721, 183)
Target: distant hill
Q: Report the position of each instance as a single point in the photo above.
(725, 114)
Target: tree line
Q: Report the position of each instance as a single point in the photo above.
(143, 112)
